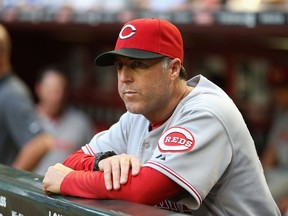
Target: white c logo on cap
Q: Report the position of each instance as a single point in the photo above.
(133, 31)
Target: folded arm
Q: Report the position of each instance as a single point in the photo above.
(148, 187)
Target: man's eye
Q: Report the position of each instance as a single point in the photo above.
(118, 65)
(138, 64)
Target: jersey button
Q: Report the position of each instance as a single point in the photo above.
(146, 145)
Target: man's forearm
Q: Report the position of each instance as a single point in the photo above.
(80, 161)
(149, 187)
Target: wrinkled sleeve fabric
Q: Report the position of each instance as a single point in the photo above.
(80, 161)
(89, 184)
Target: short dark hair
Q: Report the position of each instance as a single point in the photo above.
(183, 74)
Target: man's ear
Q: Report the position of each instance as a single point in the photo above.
(175, 66)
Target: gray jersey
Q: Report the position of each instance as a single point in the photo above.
(205, 147)
(18, 120)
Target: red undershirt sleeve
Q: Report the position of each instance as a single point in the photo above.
(148, 187)
(80, 161)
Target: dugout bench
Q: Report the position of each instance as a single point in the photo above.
(21, 195)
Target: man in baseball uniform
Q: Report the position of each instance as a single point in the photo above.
(181, 145)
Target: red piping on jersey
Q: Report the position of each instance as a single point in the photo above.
(177, 176)
(89, 149)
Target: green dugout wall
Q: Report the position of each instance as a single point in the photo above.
(21, 195)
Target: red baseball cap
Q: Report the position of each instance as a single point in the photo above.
(145, 38)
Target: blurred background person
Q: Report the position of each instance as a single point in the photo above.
(275, 155)
(69, 127)
(22, 140)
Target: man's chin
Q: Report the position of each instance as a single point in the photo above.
(134, 110)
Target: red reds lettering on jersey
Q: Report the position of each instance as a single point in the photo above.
(176, 139)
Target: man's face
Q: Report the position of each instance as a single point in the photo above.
(143, 85)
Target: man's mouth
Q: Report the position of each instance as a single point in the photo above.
(129, 92)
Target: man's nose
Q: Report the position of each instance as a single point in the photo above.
(125, 74)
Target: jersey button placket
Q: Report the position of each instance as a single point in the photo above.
(146, 145)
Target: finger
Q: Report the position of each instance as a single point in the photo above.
(47, 192)
(46, 180)
(44, 187)
(135, 166)
(58, 165)
(116, 173)
(125, 167)
(107, 175)
(47, 187)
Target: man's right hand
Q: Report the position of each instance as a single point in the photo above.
(53, 178)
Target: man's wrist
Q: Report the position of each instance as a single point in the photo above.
(100, 156)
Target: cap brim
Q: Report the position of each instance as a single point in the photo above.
(107, 58)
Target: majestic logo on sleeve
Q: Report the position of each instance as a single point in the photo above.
(127, 32)
(176, 139)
